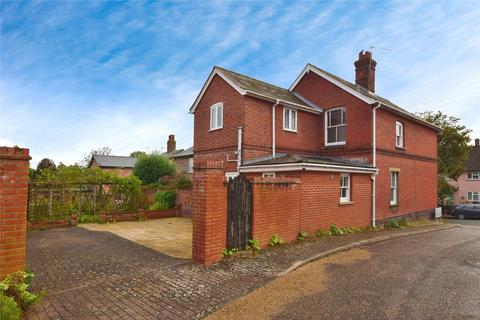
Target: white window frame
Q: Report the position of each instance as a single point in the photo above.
(473, 196)
(190, 165)
(292, 116)
(346, 187)
(474, 175)
(399, 135)
(268, 175)
(394, 187)
(216, 120)
(327, 126)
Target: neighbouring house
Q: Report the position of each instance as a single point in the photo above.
(468, 183)
(121, 165)
(183, 158)
(357, 158)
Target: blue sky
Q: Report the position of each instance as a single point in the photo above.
(81, 75)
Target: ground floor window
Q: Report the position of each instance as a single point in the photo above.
(344, 187)
(393, 188)
(473, 196)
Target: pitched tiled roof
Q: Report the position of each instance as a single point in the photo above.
(267, 90)
(473, 162)
(183, 153)
(375, 97)
(296, 158)
(114, 161)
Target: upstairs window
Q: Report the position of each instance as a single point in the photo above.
(393, 188)
(399, 135)
(216, 116)
(335, 127)
(344, 187)
(473, 175)
(268, 175)
(289, 119)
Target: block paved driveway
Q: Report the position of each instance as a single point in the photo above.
(172, 236)
(99, 275)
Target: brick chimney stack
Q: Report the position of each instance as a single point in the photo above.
(171, 144)
(365, 71)
(477, 142)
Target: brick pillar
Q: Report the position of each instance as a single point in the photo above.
(14, 164)
(210, 212)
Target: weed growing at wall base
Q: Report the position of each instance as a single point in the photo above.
(275, 240)
(302, 235)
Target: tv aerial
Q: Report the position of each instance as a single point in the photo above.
(380, 48)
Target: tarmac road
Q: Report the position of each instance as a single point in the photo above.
(434, 275)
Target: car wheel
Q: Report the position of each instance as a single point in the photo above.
(461, 216)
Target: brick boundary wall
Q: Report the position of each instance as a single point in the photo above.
(210, 212)
(14, 164)
(276, 208)
(185, 200)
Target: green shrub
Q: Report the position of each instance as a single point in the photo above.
(302, 235)
(88, 218)
(9, 309)
(323, 233)
(16, 285)
(335, 231)
(392, 224)
(275, 240)
(151, 168)
(183, 182)
(164, 200)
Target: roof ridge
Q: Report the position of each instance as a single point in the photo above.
(252, 78)
(109, 155)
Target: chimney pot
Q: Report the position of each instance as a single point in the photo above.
(171, 143)
(365, 71)
(477, 142)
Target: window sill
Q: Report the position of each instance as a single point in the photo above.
(335, 145)
(215, 129)
(400, 148)
(346, 203)
(292, 131)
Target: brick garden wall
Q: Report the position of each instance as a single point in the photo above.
(276, 208)
(185, 201)
(14, 164)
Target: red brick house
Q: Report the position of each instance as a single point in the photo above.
(359, 158)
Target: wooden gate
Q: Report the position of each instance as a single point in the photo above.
(239, 212)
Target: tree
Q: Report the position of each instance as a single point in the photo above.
(136, 154)
(150, 168)
(105, 151)
(46, 163)
(453, 150)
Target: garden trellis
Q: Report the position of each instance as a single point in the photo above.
(49, 201)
